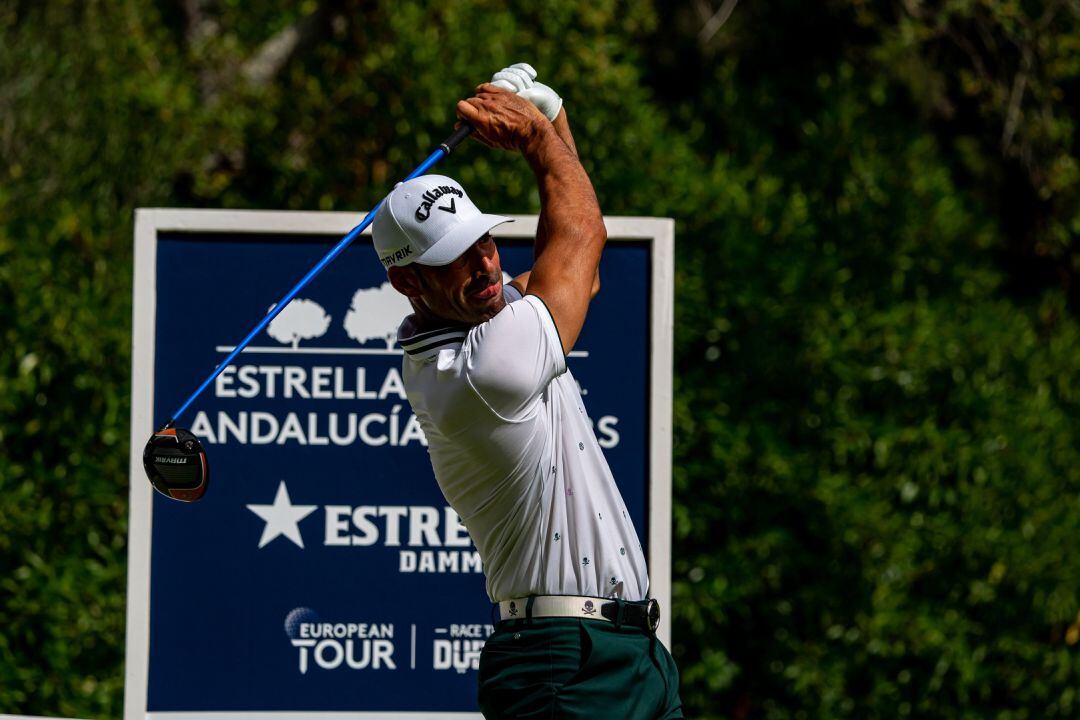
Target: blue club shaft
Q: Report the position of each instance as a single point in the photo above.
(444, 149)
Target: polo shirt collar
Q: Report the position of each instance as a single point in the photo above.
(424, 345)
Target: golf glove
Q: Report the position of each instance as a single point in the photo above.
(520, 78)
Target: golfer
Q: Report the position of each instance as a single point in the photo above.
(510, 442)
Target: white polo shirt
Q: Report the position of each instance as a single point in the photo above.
(516, 457)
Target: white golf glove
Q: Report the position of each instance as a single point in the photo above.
(520, 78)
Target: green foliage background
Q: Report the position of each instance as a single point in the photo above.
(877, 481)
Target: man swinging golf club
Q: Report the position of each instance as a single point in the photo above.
(510, 443)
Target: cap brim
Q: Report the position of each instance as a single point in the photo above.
(451, 245)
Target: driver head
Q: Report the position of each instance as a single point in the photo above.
(176, 464)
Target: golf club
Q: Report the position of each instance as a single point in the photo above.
(174, 459)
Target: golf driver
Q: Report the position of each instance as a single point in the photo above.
(174, 459)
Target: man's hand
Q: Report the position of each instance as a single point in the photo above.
(520, 78)
(503, 119)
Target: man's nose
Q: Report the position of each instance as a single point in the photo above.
(487, 264)
(482, 263)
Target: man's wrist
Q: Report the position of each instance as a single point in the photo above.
(539, 141)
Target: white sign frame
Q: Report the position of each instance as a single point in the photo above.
(659, 232)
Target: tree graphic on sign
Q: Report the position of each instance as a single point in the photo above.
(375, 314)
(300, 320)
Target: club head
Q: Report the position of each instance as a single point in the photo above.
(176, 464)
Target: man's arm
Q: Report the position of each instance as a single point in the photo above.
(568, 250)
(562, 127)
(521, 282)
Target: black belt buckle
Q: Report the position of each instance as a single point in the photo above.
(653, 614)
(641, 614)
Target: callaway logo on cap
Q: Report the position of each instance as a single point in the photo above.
(428, 220)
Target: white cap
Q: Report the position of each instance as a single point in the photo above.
(428, 220)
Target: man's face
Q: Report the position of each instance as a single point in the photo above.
(467, 291)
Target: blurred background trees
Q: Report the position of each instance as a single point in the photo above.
(878, 204)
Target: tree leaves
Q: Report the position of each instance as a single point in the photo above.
(876, 484)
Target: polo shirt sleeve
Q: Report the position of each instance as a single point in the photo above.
(511, 358)
(511, 293)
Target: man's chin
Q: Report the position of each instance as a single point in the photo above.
(484, 310)
(495, 306)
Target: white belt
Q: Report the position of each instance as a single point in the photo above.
(571, 606)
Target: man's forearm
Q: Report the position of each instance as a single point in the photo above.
(570, 214)
(562, 127)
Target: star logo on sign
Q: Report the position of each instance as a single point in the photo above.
(282, 518)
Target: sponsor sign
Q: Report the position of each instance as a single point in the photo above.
(323, 571)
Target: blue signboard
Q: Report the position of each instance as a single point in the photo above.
(324, 571)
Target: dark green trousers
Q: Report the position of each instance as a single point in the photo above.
(569, 668)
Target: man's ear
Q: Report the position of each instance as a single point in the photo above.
(406, 281)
